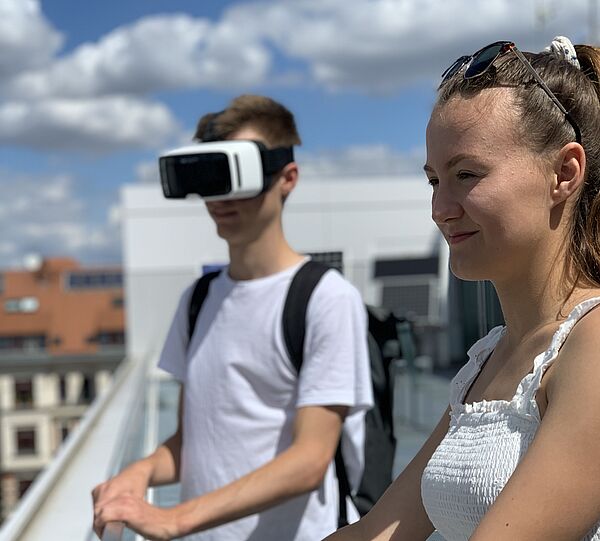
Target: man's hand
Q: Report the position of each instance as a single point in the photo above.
(160, 468)
(132, 481)
(154, 523)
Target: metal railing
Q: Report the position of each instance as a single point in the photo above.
(113, 531)
(142, 440)
(69, 478)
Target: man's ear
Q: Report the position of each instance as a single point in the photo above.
(288, 178)
(569, 172)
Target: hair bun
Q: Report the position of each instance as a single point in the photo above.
(562, 47)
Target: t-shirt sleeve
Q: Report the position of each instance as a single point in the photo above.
(173, 357)
(336, 368)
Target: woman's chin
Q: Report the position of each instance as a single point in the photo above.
(469, 273)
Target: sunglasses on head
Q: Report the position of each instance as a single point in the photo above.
(479, 62)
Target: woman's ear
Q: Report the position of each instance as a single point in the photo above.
(569, 172)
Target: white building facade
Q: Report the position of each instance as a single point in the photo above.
(39, 407)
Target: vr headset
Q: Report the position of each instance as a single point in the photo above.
(221, 170)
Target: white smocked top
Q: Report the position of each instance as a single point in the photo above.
(486, 440)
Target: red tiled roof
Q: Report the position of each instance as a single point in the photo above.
(68, 318)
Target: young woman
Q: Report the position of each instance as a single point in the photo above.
(513, 157)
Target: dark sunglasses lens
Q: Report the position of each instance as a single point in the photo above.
(483, 60)
(454, 67)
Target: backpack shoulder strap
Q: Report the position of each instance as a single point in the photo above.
(197, 299)
(294, 328)
(296, 304)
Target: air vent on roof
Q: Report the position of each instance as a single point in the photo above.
(33, 262)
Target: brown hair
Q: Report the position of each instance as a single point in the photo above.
(544, 129)
(275, 122)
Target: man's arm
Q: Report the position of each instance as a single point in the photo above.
(162, 466)
(297, 470)
(159, 468)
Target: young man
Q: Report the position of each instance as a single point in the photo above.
(256, 440)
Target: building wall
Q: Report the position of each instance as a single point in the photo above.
(167, 242)
(42, 310)
(61, 336)
(48, 416)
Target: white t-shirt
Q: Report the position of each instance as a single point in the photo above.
(242, 392)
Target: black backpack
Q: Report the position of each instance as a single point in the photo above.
(384, 345)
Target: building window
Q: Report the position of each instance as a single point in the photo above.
(24, 484)
(412, 297)
(88, 390)
(407, 300)
(111, 338)
(390, 268)
(28, 343)
(62, 388)
(23, 393)
(333, 259)
(108, 338)
(64, 427)
(11, 306)
(22, 305)
(25, 441)
(409, 287)
(94, 280)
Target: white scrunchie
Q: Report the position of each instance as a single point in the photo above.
(563, 48)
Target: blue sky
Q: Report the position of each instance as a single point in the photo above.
(93, 91)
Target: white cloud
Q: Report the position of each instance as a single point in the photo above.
(383, 45)
(156, 53)
(27, 40)
(89, 98)
(43, 215)
(370, 45)
(95, 125)
(76, 101)
(73, 103)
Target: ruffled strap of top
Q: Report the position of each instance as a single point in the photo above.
(531, 382)
(478, 354)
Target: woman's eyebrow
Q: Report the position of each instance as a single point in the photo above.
(452, 161)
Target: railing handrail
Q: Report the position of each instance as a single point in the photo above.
(34, 498)
(113, 531)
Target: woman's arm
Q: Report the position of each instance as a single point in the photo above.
(554, 494)
(399, 514)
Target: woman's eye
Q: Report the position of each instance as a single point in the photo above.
(465, 175)
(433, 181)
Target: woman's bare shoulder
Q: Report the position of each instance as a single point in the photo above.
(578, 362)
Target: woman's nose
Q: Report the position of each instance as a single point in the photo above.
(444, 206)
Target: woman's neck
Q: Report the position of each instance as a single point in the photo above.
(530, 304)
